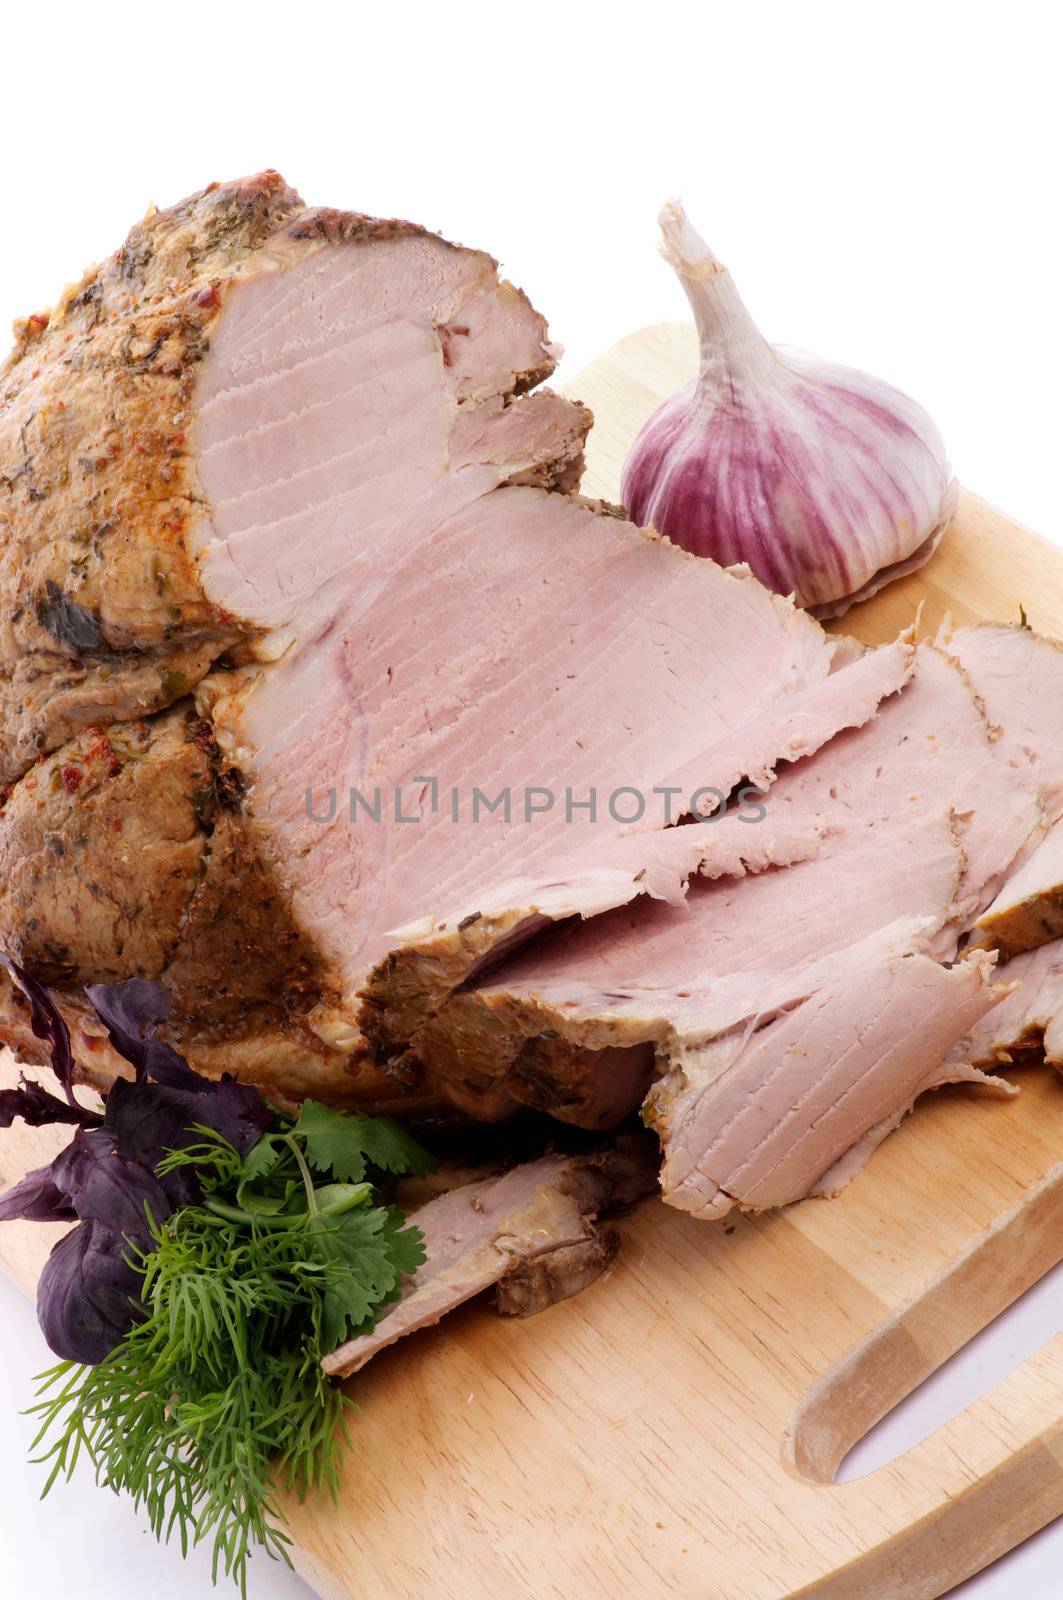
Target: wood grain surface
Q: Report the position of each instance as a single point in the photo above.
(675, 1429)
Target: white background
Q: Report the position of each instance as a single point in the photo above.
(884, 182)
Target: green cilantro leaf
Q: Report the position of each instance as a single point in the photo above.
(407, 1244)
(261, 1159)
(364, 1256)
(346, 1145)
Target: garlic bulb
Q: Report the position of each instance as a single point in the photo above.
(827, 482)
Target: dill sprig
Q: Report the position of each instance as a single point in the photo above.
(216, 1397)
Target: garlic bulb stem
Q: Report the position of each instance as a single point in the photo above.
(734, 352)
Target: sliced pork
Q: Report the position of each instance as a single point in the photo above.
(1018, 677)
(431, 956)
(932, 747)
(530, 1231)
(880, 800)
(634, 704)
(567, 1025)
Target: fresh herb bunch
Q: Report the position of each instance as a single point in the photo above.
(218, 1393)
(251, 1246)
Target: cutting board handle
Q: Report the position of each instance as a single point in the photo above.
(983, 1481)
(917, 1337)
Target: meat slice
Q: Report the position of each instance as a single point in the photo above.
(1028, 911)
(634, 704)
(1028, 1020)
(537, 1032)
(1018, 676)
(296, 461)
(531, 1232)
(758, 1119)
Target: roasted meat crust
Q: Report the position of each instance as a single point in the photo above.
(102, 846)
(127, 853)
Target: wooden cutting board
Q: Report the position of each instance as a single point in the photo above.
(674, 1431)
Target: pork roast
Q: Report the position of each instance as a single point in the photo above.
(922, 813)
(287, 472)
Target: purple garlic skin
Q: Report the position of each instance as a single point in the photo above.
(825, 481)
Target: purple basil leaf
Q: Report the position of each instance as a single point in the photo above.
(148, 1119)
(89, 1295)
(47, 1024)
(131, 1011)
(235, 1110)
(169, 1098)
(37, 1107)
(36, 1198)
(105, 1186)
